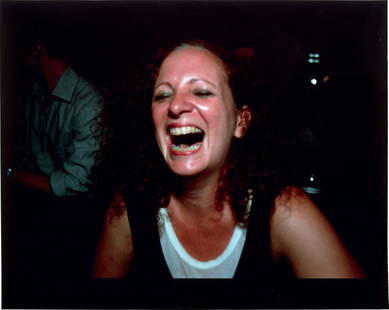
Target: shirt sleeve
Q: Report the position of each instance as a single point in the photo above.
(75, 175)
(39, 161)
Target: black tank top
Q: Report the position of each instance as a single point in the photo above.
(149, 263)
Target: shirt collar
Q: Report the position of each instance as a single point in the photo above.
(37, 87)
(66, 85)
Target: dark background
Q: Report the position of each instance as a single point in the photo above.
(336, 129)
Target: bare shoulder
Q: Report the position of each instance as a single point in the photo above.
(117, 218)
(117, 207)
(291, 208)
(115, 250)
(292, 203)
(301, 233)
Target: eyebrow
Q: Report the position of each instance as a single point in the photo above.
(162, 83)
(203, 80)
(194, 80)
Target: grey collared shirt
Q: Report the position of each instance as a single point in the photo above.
(62, 131)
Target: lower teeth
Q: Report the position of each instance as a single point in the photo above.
(186, 149)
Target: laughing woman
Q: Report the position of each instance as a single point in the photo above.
(205, 212)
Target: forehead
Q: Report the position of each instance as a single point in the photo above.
(193, 59)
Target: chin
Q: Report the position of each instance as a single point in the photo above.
(185, 169)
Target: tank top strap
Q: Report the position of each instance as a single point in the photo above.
(256, 261)
(149, 263)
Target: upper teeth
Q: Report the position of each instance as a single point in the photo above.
(176, 131)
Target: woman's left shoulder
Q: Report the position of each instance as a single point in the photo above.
(301, 233)
(294, 214)
(291, 203)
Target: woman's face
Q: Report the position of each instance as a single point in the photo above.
(194, 112)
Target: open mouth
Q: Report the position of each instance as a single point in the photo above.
(186, 139)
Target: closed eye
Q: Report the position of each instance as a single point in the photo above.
(203, 93)
(161, 96)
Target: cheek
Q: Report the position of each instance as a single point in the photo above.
(157, 115)
(229, 118)
(230, 110)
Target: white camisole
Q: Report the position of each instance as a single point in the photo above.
(182, 265)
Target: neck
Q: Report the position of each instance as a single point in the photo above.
(52, 70)
(196, 195)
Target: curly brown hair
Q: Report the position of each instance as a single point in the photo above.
(139, 164)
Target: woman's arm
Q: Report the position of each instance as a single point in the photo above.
(301, 234)
(114, 251)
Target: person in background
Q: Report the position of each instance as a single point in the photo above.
(206, 207)
(52, 178)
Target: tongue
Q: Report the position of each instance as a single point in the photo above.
(187, 147)
(187, 140)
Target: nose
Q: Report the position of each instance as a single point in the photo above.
(179, 104)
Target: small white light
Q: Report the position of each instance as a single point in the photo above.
(311, 178)
(313, 81)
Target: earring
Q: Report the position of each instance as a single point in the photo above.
(248, 202)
